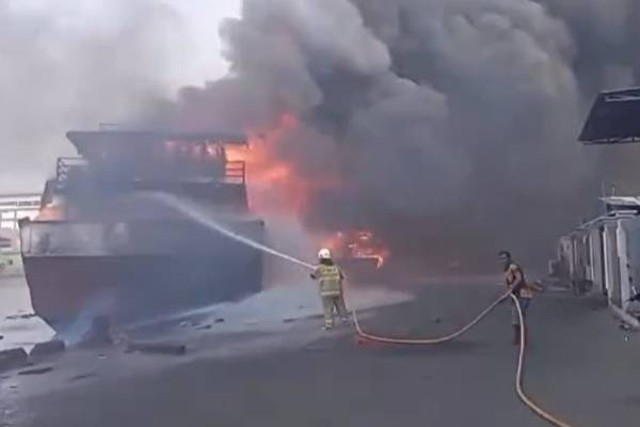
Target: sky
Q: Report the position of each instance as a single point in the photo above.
(202, 17)
(72, 64)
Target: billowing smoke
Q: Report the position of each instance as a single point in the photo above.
(452, 123)
(73, 63)
(606, 37)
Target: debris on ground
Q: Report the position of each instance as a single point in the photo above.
(219, 320)
(156, 348)
(188, 324)
(20, 316)
(36, 371)
(12, 359)
(84, 376)
(625, 326)
(204, 327)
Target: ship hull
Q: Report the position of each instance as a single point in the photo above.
(135, 271)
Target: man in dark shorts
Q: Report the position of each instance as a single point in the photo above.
(515, 280)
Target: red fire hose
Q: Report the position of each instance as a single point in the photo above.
(441, 340)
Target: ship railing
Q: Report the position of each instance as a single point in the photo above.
(66, 166)
(235, 172)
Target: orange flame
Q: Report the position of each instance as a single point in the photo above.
(277, 185)
(274, 184)
(49, 213)
(359, 244)
(55, 210)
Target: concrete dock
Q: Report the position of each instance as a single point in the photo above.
(581, 367)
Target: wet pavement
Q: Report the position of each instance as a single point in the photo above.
(580, 366)
(18, 325)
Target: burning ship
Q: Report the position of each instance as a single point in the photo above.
(104, 246)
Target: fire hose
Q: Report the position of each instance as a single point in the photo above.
(551, 419)
(213, 225)
(519, 374)
(426, 341)
(441, 340)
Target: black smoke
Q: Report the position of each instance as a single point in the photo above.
(453, 121)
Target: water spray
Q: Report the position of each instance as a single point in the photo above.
(197, 215)
(202, 218)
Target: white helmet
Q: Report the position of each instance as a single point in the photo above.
(324, 254)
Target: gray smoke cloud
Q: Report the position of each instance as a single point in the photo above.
(451, 124)
(606, 37)
(74, 64)
(453, 121)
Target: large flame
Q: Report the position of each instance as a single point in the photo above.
(274, 184)
(358, 244)
(277, 185)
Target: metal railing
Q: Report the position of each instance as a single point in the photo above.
(235, 172)
(16, 206)
(65, 166)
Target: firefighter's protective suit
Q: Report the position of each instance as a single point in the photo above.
(330, 278)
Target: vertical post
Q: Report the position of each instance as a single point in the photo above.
(623, 256)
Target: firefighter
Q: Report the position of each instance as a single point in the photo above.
(515, 280)
(330, 278)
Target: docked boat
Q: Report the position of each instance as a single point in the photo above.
(103, 245)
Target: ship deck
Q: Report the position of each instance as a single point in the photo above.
(580, 366)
